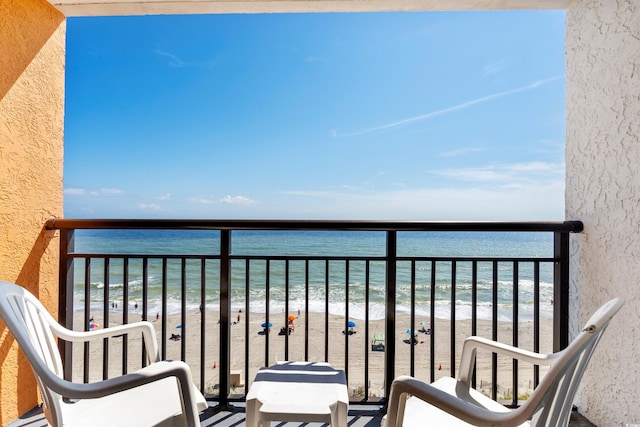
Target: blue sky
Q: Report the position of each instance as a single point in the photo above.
(405, 116)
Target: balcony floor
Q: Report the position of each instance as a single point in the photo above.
(359, 416)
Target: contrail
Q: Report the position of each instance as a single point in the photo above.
(450, 109)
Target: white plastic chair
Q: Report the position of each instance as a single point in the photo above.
(161, 394)
(452, 402)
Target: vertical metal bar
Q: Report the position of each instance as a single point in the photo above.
(247, 289)
(306, 310)
(183, 308)
(560, 291)
(432, 319)
(326, 310)
(366, 328)
(105, 342)
(412, 320)
(452, 360)
(267, 329)
(494, 332)
(346, 320)
(203, 320)
(65, 296)
(390, 308)
(145, 301)
(536, 319)
(163, 325)
(516, 280)
(87, 311)
(474, 310)
(125, 311)
(225, 312)
(286, 309)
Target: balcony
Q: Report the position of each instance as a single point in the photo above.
(228, 287)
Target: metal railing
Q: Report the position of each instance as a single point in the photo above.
(216, 277)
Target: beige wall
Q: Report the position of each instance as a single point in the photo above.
(32, 43)
(603, 190)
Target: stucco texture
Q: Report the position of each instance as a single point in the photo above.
(32, 43)
(603, 190)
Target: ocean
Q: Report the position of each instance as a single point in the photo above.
(315, 277)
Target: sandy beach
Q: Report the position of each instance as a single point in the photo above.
(312, 332)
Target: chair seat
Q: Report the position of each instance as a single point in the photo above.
(418, 413)
(161, 408)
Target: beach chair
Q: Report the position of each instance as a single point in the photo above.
(161, 394)
(377, 343)
(453, 402)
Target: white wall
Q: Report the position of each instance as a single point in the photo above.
(603, 190)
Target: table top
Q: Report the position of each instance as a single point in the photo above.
(302, 372)
(300, 384)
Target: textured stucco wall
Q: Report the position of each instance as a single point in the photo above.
(603, 190)
(32, 53)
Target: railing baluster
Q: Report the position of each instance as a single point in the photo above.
(125, 311)
(183, 308)
(452, 353)
(412, 320)
(474, 309)
(561, 291)
(390, 311)
(267, 309)
(536, 319)
(346, 319)
(163, 334)
(225, 312)
(203, 320)
(286, 309)
(87, 311)
(145, 302)
(326, 310)
(494, 332)
(105, 341)
(366, 329)
(306, 309)
(65, 296)
(247, 289)
(515, 315)
(432, 319)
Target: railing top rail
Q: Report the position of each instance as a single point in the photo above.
(318, 225)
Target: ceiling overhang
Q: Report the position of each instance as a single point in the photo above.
(189, 7)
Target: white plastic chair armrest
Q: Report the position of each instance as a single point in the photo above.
(471, 345)
(473, 414)
(149, 374)
(146, 328)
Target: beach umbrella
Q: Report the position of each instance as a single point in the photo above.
(292, 317)
(179, 327)
(408, 331)
(351, 324)
(264, 325)
(424, 323)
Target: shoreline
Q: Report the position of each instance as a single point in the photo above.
(314, 339)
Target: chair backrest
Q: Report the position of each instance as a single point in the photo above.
(552, 401)
(33, 328)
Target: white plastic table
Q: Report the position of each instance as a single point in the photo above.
(298, 391)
